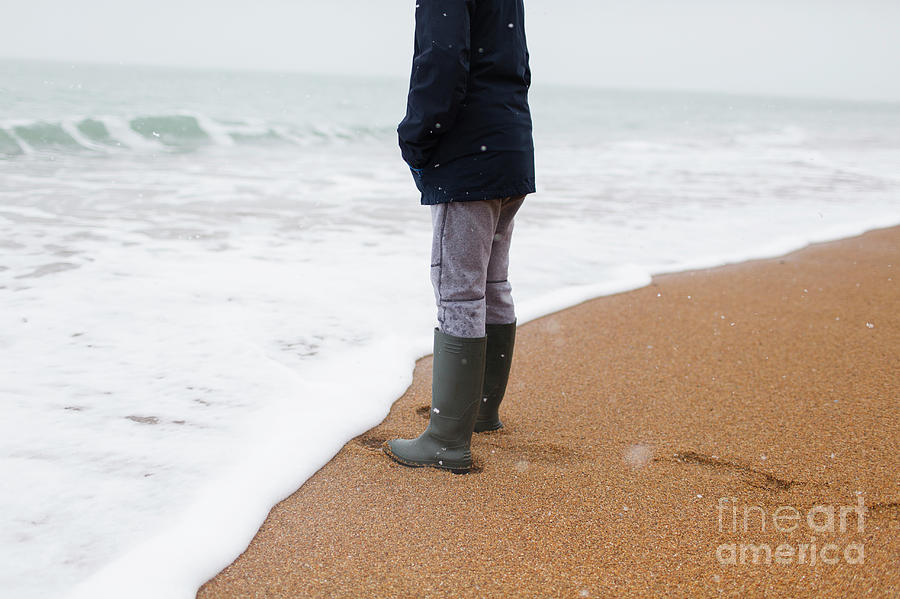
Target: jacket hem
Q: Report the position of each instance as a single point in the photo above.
(434, 196)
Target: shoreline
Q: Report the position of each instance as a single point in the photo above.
(628, 418)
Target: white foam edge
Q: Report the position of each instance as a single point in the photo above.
(216, 132)
(120, 130)
(628, 277)
(10, 127)
(784, 245)
(70, 126)
(225, 516)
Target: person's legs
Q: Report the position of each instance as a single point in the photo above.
(461, 250)
(471, 358)
(462, 242)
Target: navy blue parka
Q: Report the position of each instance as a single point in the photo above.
(467, 132)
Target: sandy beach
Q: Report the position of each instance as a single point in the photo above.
(728, 431)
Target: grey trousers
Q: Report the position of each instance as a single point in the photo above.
(469, 264)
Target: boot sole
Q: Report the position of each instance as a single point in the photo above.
(454, 469)
(489, 430)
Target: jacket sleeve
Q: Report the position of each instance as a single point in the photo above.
(440, 73)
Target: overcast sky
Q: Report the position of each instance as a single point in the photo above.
(833, 48)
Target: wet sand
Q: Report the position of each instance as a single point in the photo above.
(643, 431)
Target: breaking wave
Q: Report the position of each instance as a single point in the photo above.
(178, 132)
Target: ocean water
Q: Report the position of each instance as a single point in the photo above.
(210, 281)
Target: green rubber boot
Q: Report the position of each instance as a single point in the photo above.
(498, 358)
(457, 380)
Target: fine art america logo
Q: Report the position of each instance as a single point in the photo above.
(820, 520)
